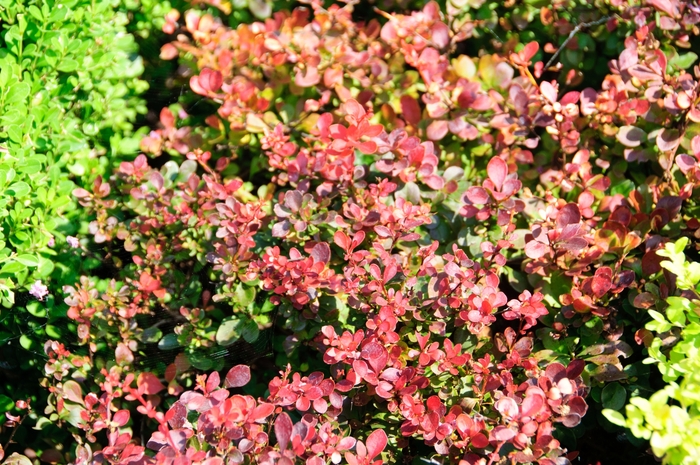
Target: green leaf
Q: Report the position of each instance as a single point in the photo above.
(228, 332)
(244, 295)
(169, 342)
(67, 65)
(684, 61)
(250, 331)
(6, 403)
(615, 417)
(614, 396)
(29, 260)
(151, 335)
(12, 268)
(19, 189)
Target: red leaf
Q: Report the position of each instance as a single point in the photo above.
(568, 214)
(237, 376)
(213, 381)
(342, 240)
(121, 418)
(575, 368)
(477, 195)
(376, 442)
(497, 171)
(410, 109)
(283, 430)
(529, 51)
(149, 383)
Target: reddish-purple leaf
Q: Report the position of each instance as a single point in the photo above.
(213, 381)
(568, 214)
(410, 110)
(575, 368)
(631, 136)
(283, 430)
(237, 376)
(668, 140)
(588, 99)
(685, 162)
(321, 253)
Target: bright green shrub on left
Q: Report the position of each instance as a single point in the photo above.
(69, 86)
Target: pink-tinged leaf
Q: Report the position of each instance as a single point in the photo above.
(668, 140)
(293, 200)
(501, 434)
(535, 249)
(283, 430)
(588, 99)
(568, 214)
(437, 130)
(213, 381)
(262, 411)
(321, 253)
(533, 402)
(685, 162)
(507, 407)
(73, 392)
(309, 78)
(121, 418)
(440, 35)
(157, 180)
(570, 97)
(695, 146)
(207, 82)
(168, 52)
(548, 91)
(497, 171)
(176, 415)
(667, 6)
(628, 58)
(477, 195)
(382, 231)
(342, 240)
(376, 442)
(529, 50)
(149, 383)
(368, 147)
(237, 376)
(631, 136)
(80, 193)
(123, 355)
(410, 110)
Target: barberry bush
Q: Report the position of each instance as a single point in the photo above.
(394, 233)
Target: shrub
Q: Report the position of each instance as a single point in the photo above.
(454, 251)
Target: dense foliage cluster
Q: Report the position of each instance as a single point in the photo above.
(457, 232)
